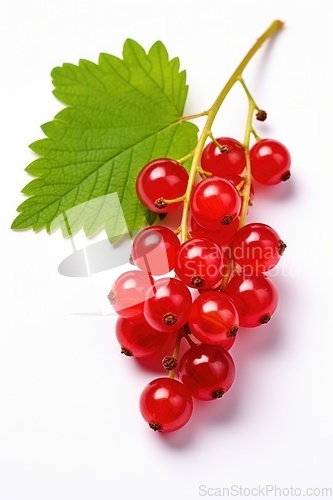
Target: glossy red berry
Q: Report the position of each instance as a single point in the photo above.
(155, 250)
(257, 248)
(128, 294)
(167, 305)
(213, 318)
(161, 179)
(227, 160)
(270, 162)
(138, 339)
(166, 404)
(199, 263)
(215, 202)
(255, 298)
(207, 371)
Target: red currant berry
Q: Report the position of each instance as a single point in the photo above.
(227, 160)
(255, 299)
(138, 339)
(128, 294)
(207, 371)
(199, 263)
(213, 318)
(270, 162)
(159, 180)
(166, 404)
(155, 250)
(215, 202)
(167, 304)
(257, 248)
(222, 236)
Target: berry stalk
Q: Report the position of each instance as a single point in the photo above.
(211, 114)
(248, 179)
(175, 353)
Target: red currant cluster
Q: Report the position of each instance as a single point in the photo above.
(219, 281)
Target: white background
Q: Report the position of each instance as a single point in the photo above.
(70, 427)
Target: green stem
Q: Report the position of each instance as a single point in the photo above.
(255, 135)
(203, 173)
(246, 191)
(217, 144)
(186, 157)
(174, 200)
(211, 114)
(248, 93)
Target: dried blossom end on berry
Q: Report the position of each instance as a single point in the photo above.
(265, 319)
(286, 176)
(155, 426)
(125, 351)
(112, 297)
(217, 394)
(197, 281)
(232, 332)
(281, 247)
(169, 319)
(169, 363)
(160, 203)
(227, 220)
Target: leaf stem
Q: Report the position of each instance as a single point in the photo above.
(211, 114)
(192, 117)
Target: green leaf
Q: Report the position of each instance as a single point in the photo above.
(120, 114)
